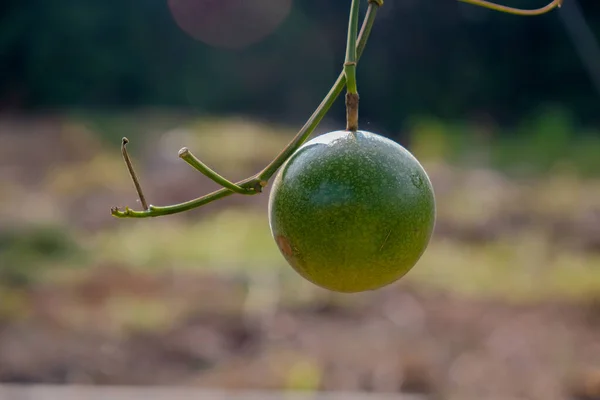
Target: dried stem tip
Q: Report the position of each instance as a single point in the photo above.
(132, 173)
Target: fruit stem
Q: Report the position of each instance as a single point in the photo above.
(262, 177)
(350, 70)
(516, 11)
(352, 112)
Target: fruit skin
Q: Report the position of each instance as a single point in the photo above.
(352, 211)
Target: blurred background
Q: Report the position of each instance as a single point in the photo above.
(503, 111)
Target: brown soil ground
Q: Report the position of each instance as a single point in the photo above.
(398, 339)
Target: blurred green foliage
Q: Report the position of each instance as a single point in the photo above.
(548, 142)
(26, 250)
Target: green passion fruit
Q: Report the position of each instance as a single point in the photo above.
(352, 211)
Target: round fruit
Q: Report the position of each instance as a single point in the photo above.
(352, 211)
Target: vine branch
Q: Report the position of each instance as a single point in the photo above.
(515, 11)
(261, 179)
(347, 78)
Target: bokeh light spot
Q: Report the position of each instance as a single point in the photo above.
(229, 24)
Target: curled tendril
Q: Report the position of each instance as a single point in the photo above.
(516, 11)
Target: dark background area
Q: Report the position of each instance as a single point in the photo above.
(443, 58)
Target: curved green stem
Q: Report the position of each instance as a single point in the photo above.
(192, 160)
(262, 177)
(516, 11)
(350, 63)
(153, 211)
